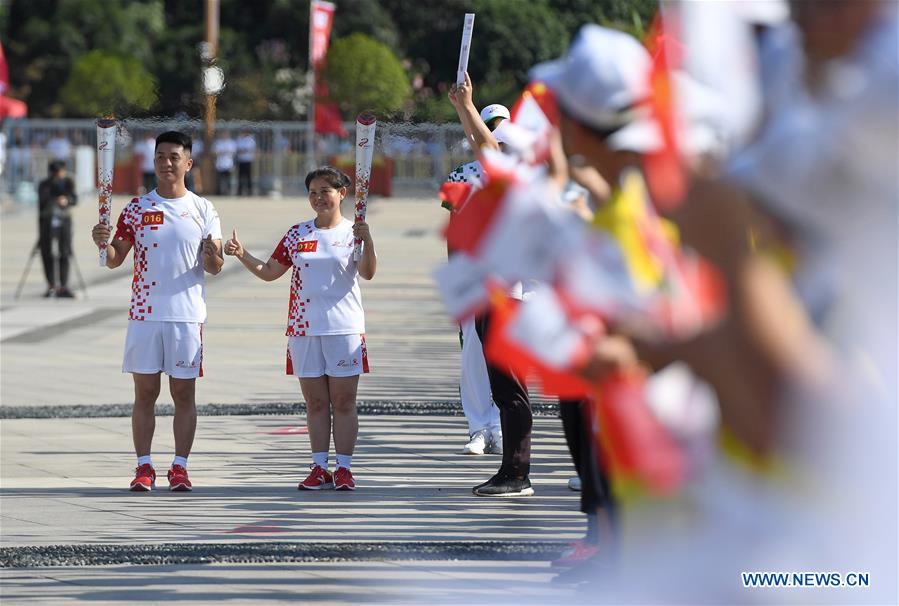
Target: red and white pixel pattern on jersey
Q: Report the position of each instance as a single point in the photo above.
(296, 320)
(129, 222)
(166, 235)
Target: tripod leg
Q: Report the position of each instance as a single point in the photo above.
(34, 252)
(78, 271)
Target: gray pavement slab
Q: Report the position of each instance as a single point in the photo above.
(414, 485)
(384, 582)
(63, 490)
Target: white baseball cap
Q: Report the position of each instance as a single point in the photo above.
(603, 82)
(763, 12)
(494, 111)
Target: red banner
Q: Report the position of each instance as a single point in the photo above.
(4, 73)
(327, 115)
(321, 17)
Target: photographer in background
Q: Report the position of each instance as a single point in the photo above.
(56, 195)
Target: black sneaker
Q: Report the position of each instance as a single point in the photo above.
(502, 485)
(64, 293)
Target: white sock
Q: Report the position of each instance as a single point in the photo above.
(320, 459)
(144, 460)
(344, 460)
(182, 461)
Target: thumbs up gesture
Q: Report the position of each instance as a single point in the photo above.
(233, 247)
(209, 248)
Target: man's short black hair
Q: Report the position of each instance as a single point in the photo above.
(56, 166)
(176, 137)
(334, 177)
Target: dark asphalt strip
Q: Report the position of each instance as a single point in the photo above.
(45, 333)
(364, 407)
(243, 553)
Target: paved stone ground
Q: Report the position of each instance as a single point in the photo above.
(385, 582)
(413, 485)
(412, 533)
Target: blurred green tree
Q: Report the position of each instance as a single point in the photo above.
(104, 83)
(363, 74)
(366, 17)
(44, 38)
(510, 36)
(632, 16)
(263, 48)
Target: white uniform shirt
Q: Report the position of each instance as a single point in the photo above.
(169, 280)
(246, 148)
(59, 148)
(324, 288)
(147, 151)
(224, 150)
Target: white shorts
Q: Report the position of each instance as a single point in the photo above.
(175, 348)
(332, 355)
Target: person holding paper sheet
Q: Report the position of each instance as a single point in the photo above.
(326, 324)
(508, 391)
(484, 427)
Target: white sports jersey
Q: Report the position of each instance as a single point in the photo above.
(169, 281)
(324, 289)
(224, 150)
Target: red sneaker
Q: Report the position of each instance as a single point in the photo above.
(579, 552)
(144, 478)
(318, 479)
(343, 479)
(178, 480)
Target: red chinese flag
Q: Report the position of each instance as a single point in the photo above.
(472, 221)
(453, 194)
(699, 300)
(327, 115)
(665, 175)
(542, 95)
(327, 120)
(634, 444)
(505, 352)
